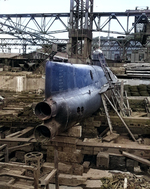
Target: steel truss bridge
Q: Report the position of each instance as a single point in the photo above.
(48, 28)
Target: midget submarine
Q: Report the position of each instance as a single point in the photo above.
(72, 93)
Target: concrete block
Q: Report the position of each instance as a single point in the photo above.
(69, 149)
(86, 166)
(77, 169)
(97, 123)
(66, 157)
(96, 174)
(66, 169)
(53, 186)
(63, 168)
(117, 162)
(102, 160)
(75, 131)
(89, 132)
(93, 184)
(130, 165)
(70, 180)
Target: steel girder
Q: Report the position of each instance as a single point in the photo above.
(40, 28)
(32, 28)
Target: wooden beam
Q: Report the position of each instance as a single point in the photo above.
(18, 166)
(18, 147)
(15, 139)
(3, 146)
(121, 95)
(114, 145)
(13, 134)
(107, 114)
(120, 117)
(49, 177)
(25, 132)
(35, 171)
(22, 133)
(56, 166)
(136, 158)
(16, 176)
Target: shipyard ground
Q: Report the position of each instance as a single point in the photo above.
(88, 156)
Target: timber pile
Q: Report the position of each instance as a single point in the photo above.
(93, 179)
(137, 90)
(79, 162)
(18, 109)
(141, 70)
(14, 176)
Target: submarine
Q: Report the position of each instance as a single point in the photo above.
(72, 93)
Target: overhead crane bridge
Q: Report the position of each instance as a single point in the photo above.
(41, 29)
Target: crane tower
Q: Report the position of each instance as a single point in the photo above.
(80, 31)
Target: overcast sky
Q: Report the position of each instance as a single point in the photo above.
(54, 6)
(51, 6)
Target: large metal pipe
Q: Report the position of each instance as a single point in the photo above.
(45, 110)
(46, 130)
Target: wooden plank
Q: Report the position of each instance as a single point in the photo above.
(110, 137)
(106, 112)
(25, 132)
(138, 75)
(2, 159)
(139, 159)
(56, 166)
(18, 166)
(3, 146)
(139, 71)
(68, 140)
(1, 155)
(130, 146)
(49, 177)
(120, 118)
(13, 134)
(35, 172)
(16, 176)
(14, 139)
(19, 147)
(12, 108)
(12, 181)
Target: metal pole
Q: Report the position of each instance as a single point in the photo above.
(71, 13)
(86, 14)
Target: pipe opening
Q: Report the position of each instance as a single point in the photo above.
(41, 132)
(43, 110)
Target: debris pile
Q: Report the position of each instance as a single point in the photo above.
(141, 70)
(139, 90)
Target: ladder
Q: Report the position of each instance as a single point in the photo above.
(114, 95)
(106, 72)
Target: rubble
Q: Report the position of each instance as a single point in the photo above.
(86, 159)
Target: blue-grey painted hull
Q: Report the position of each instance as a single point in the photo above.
(72, 93)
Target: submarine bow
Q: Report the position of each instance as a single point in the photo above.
(72, 93)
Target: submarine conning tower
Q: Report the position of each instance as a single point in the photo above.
(98, 58)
